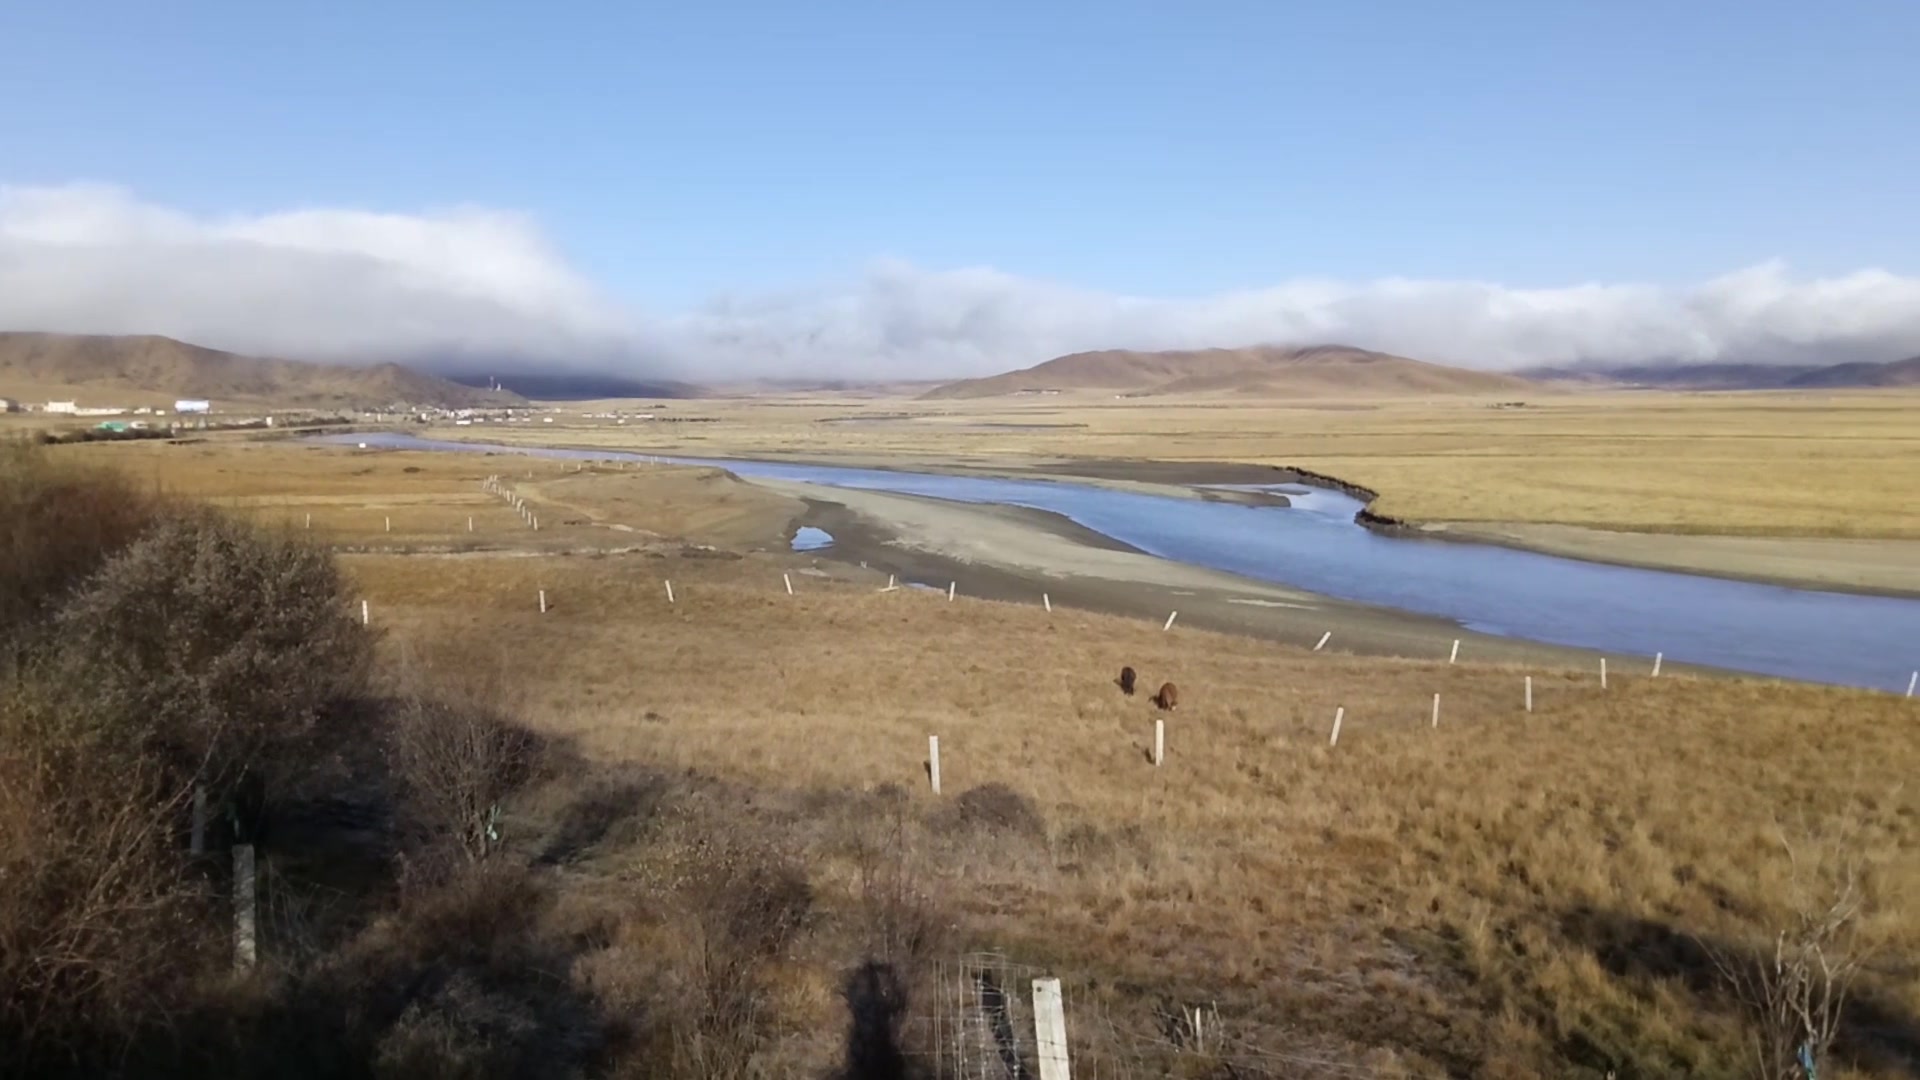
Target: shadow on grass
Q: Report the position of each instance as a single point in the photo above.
(1874, 1035)
(876, 1002)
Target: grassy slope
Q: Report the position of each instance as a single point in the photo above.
(1507, 895)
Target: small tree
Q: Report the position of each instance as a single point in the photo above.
(217, 649)
(1796, 993)
(58, 524)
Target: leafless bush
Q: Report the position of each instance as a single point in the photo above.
(99, 928)
(1796, 992)
(456, 762)
(220, 647)
(58, 524)
(742, 905)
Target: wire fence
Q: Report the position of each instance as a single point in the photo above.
(980, 1025)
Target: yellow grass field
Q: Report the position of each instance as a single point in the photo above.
(1731, 464)
(1508, 894)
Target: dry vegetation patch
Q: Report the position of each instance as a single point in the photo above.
(1503, 892)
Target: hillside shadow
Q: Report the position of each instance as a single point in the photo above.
(608, 802)
(1875, 1034)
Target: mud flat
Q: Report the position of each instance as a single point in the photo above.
(1019, 555)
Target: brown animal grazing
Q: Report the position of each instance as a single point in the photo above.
(1126, 681)
(1168, 697)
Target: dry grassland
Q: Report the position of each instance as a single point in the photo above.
(1508, 894)
(1738, 464)
(428, 497)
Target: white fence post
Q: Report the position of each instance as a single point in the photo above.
(1657, 657)
(1159, 741)
(309, 522)
(788, 578)
(1913, 681)
(933, 762)
(1338, 715)
(1170, 619)
(669, 592)
(389, 524)
(469, 522)
(1436, 710)
(1529, 693)
(543, 601)
(1048, 600)
(366, 614)
(1455, 654)
(1324, 638)
(1050, 1030)
(950, 587)
(1603, 673)
(244, 945)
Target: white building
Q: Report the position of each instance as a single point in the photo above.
(185, 406)
(68, 407)
(9, 405)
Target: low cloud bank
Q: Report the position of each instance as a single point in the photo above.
(465, 288)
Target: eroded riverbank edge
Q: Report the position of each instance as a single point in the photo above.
(1019, 555)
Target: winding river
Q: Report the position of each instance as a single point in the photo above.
(1315, 545)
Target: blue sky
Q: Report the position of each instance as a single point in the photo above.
(672, 154)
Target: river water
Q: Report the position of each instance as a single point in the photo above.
(1315, 545)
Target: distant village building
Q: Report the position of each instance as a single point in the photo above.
(9, 405)
(186, 406)
(68, 407)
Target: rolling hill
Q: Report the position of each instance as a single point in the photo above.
(1857, 375)
(1259, 371)
(148, 369)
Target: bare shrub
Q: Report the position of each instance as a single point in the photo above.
(99, 928)
(221, 648)
(1796, 991)
(903, 925)
(456, 762)
(997, 809)
(58, 524)
(742, 905)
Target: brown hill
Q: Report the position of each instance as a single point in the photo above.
(1265, 370)
(148, 369)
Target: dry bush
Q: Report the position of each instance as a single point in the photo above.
(738, 906)
(99, 927)
(223, 647)
(454, 751)
(58, 524)
(456, 761)
(998, 810)
(1795, 993)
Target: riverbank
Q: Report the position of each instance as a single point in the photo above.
(1019, 555)
(1868, 567)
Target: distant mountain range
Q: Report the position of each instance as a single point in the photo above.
(1892, 374)
(1259, 371)
(151, 370)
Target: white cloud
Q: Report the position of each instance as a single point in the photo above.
(471, 284)
(319, 284)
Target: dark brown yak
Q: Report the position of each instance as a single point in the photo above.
(1168, 697)
(1126, 681)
